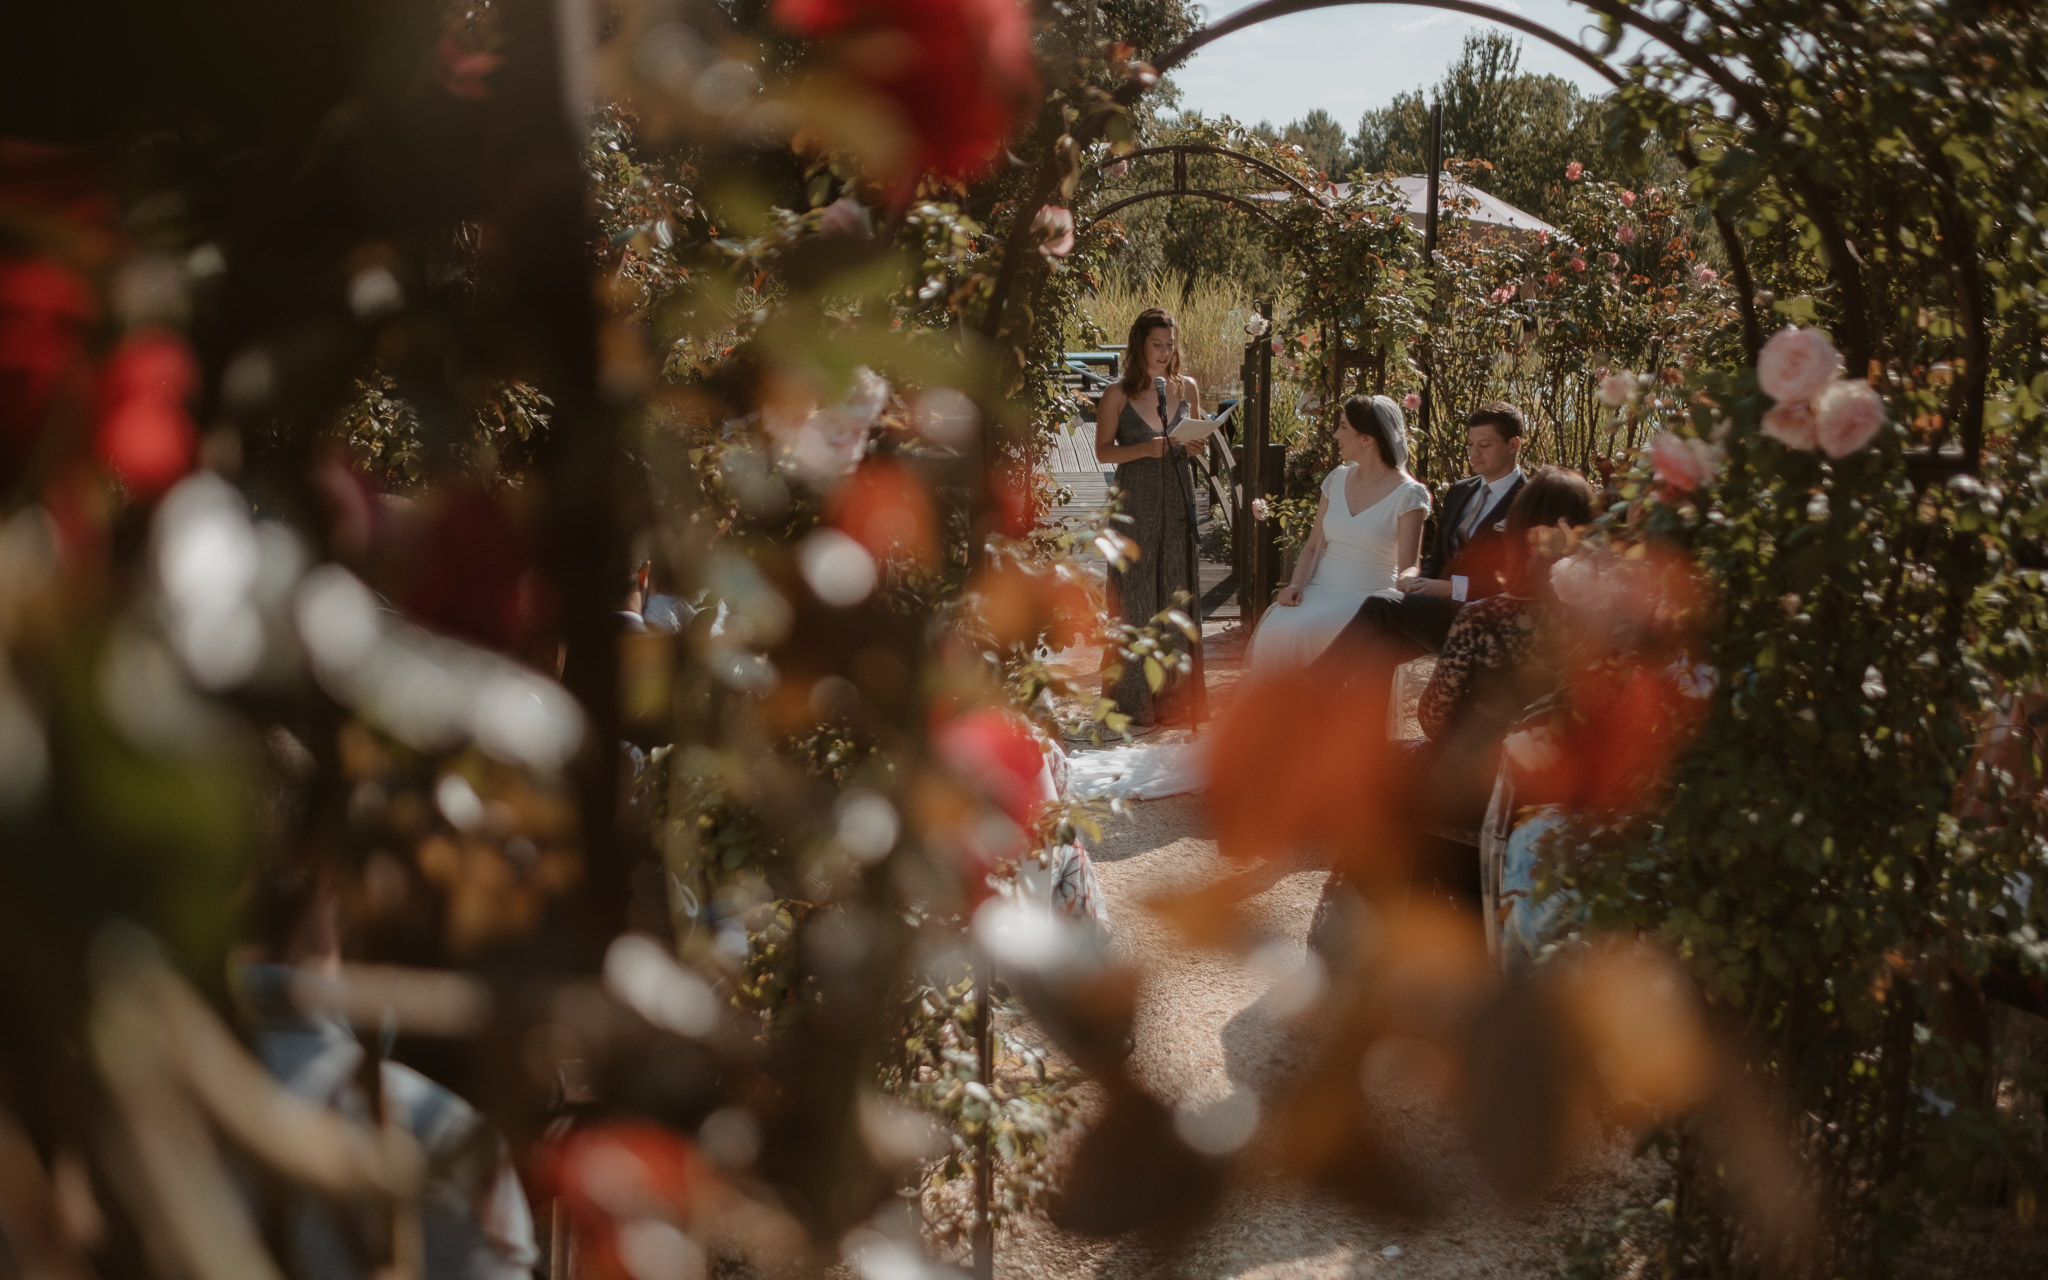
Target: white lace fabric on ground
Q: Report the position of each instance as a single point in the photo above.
(1169, 765)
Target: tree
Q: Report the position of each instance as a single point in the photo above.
(1528, 127)
(1322, 143)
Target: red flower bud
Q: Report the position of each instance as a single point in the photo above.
(960, 74)
(613, 1176)
(43, 311)
(886, 508)
(145, 433)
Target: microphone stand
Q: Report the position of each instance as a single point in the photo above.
(1176, 458)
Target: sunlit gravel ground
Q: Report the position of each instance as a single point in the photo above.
(1206, 1029)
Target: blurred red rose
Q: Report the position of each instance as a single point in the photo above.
(1613, 747)
(43, 312)
(886, 508)
(1015, 503)
(1276, 758)
(960, 73)
(475, 573)
(612, 1176)
(989, 757)
(146, 435)
(1000, 754)
(1021, 606)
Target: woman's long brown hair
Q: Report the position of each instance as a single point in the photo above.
(1135, 378)
(1552, 494)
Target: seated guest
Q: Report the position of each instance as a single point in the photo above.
(475, 1223)
(1483, 678)
(1461, 563)
(1494, 663)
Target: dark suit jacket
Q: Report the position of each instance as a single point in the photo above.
(1477, 559)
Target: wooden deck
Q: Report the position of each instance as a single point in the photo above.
(1075, 465)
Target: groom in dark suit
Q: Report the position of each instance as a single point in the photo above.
(1464, 561)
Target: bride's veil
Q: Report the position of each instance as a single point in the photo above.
(1396, 427)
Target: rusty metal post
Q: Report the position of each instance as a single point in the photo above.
(984, 1150)
(1259, 478)
(1436, 166)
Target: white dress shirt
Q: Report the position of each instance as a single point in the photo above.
(1475, 511)
(1480, 506)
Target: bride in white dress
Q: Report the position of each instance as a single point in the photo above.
(1368, 533)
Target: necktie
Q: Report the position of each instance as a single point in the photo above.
(1478, 512)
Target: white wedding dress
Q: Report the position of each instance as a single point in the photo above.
(1359, 556)
(1359, 560)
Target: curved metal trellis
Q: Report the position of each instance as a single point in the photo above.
(1180, 153)
(1167, 193)
(1844, 266)
(1091, 128)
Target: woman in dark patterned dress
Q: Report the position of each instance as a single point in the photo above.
(1490, 668)
(1156, 480)
(1499, 657)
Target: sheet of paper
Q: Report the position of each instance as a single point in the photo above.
(1191, 429)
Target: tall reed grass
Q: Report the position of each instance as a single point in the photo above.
(1211, 320)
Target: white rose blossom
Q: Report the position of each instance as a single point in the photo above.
(830, 443)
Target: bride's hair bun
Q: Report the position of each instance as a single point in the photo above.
(1380, 418)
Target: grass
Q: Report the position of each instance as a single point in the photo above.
(1211, 321)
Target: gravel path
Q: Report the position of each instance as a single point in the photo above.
(1207, 1028)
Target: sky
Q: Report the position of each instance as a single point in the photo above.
(1349, 60)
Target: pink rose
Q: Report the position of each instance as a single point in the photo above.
(1795, 364)
(1706, 275)
(1578, 264)
(1626, 235)
(1411, 402)
(1616, 388)
(1849, 414)
(843, 217)
(1506, 293)
(1628, 199)
(1792, 425)
(1573, 170)
(1054, 227)
(1683, 464)
(1532, 750)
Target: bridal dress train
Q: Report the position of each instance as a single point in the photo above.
(1359, 560)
